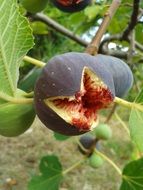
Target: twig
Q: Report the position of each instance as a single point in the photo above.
(109, 161)
(74, 166)
(111, 113)
(94, 45)
(122, 122)
(131, 105)
(16, 100)
(53, 24)
(117, 37)
(133, 20)
(34, 61)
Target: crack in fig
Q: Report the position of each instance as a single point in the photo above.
(69, 2)
(81, 109)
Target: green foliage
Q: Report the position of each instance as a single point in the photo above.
(34, 6)
(103, 131)
(39, 28)
(28, 82)
(15, 39)
(133, 176)
(136, 123)
(50, 177)
(16, 119)
(95, 160)
(92, 11)
(60, 137)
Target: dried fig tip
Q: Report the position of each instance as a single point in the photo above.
(80, 109)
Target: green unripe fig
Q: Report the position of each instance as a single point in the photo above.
(15, 119)
(103, 131)
(34, 6)
(95, 160)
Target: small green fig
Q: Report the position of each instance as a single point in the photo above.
(103, 131)
(95, 160)
(34, 6)
(15, 118)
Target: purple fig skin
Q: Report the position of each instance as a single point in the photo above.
(62, 77)
(120, 71)
(74, 7)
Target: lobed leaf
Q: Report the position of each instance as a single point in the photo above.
(133, 176)
(136, 123)
(15, 41)
(51, 175)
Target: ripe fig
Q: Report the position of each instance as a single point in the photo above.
(95, 160)
(34, 6)
(103, 131)
(88, 143)
(71, 5)
(15, 118)
(70, 91)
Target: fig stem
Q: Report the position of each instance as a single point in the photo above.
(34, 61)
(109, 161)
(131, 105)
(122, 123)
(74, 166)
(93, 47)
(16, 100)
(30, 94)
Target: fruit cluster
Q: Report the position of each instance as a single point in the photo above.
(89, 143)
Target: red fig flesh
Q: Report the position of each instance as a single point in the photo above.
(71, 5)
(80, 109)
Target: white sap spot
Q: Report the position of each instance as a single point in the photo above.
(60, 90)
(53, 84)
(52, 73)
(69, 69)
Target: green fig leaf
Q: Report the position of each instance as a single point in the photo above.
(136, 123)
(51, 174)
(133, 176)
(15, 41)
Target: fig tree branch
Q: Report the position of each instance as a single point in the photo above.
(117, 37)
(58, 27)
(133, 20)
(53, 24)
(94, 45)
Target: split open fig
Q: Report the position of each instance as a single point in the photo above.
(71, 90)
(15, 118)
(71, 5)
